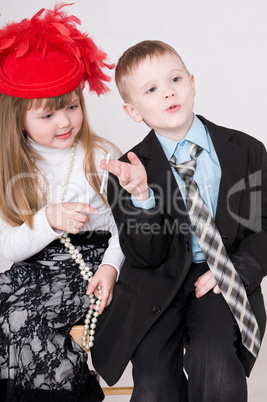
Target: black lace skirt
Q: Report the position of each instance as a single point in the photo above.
(40, 299)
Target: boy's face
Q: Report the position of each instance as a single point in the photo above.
(161, 93)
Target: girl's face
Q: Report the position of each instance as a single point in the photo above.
(55, 128)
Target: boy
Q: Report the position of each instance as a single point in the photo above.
(170, 296)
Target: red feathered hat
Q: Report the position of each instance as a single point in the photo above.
(48, 56)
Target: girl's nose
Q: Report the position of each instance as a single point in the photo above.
(63, 120)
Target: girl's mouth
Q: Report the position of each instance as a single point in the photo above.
(64, 136)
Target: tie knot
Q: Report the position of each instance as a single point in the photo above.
(187, 169)
(194, 150)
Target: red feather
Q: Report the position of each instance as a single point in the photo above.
(51, 30)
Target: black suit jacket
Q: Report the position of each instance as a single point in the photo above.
(157, 243)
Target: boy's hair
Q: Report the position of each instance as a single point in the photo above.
(133, 56)
(19, 195)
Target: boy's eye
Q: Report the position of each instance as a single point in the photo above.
(176, 79)
(153, 89)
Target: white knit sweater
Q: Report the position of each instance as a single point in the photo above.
(20, 242)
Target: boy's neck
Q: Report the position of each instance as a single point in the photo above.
(177, 134)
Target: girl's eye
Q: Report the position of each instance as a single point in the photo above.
(48, 116)
(176, 79)
(153, 89)
(71, 107)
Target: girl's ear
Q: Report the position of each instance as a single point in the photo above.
(132, 112)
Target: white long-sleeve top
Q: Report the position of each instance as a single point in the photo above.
(18, 243)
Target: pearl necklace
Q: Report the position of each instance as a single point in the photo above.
(92, 314)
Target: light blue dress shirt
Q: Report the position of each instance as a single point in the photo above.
(207, 174)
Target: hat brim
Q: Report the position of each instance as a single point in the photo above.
(30, 76)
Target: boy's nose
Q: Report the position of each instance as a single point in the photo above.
(169, 93)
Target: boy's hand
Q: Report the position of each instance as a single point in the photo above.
(132, 176)
(105, 276)
(205, 283)
(69, 216)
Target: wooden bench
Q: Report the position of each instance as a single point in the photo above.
(77, 334)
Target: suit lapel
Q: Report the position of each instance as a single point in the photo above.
(233, 161)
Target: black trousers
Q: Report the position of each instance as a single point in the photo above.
(189, 355)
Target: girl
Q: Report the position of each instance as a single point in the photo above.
(50, 180)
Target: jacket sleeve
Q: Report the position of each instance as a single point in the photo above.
(143, 239)
(249, 255)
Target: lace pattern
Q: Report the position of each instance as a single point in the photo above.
(40, 299)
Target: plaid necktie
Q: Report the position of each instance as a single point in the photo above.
(210, 241)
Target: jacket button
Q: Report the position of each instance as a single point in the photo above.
(187, 246)
(156, 310)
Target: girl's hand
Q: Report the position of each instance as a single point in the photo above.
(105, 276)
(69, 216)
(132, 176)
(205, 283)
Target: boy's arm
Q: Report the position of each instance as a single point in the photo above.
(141, 232)
(249, 254)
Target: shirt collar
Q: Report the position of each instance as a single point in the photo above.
(196, 134)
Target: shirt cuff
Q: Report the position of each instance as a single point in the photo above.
(147, 204)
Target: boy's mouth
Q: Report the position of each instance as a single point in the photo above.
(174, 108)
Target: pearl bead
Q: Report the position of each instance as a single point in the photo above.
(85, 270)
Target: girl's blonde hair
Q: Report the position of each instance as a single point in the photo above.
(19, 195)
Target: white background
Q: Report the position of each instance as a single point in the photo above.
(223, 43)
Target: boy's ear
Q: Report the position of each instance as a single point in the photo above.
(132, 112)
(192, 81)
